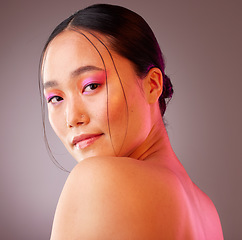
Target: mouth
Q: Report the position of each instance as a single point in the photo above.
(85, 140)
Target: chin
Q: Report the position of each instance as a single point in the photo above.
(81, 156)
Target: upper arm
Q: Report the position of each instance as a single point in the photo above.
(101, 202)
(79, 210)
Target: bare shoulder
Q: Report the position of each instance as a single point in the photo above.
(120, 198)
(208, 216)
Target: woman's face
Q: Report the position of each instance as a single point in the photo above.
(87, 107)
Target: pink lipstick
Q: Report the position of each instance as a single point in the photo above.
(85, 140)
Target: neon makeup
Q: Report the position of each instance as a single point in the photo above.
(87, 85)
(50, 96)
(97, 79)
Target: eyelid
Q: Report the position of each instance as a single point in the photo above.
(52, 96)
(96, 79)
(90, 84)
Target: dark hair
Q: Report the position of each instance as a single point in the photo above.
(128, 35)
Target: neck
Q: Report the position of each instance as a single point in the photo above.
(156, 146)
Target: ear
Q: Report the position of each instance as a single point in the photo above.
(153, 85)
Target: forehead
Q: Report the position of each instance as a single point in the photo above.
(70, 50)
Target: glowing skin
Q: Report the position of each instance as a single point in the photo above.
(150, 199)
(75, 88)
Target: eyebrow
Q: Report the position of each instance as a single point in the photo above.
(73, 74)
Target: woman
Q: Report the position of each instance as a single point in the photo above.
(103, 77)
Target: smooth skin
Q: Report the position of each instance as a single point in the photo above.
(128, 183)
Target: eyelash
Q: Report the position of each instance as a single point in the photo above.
(95, 85)
(58, 99)
(92, 87)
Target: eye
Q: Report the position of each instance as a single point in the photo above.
(55, 99)
(91, 87)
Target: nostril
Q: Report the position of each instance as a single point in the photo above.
(68, 124)
(77, 121)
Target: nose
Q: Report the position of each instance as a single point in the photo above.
(76, 114)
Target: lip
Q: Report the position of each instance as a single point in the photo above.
(84, 140)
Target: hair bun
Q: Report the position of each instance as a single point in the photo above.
(167, 87)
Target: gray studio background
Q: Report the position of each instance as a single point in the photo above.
(201, 41)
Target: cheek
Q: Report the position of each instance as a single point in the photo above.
(117, 111)
(57, 123)
(130, 122)
(96, 109)
(139, 109)
(119, 120)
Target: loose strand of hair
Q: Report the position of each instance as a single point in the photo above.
(116, 70)
(41, 69)
(108, 120)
